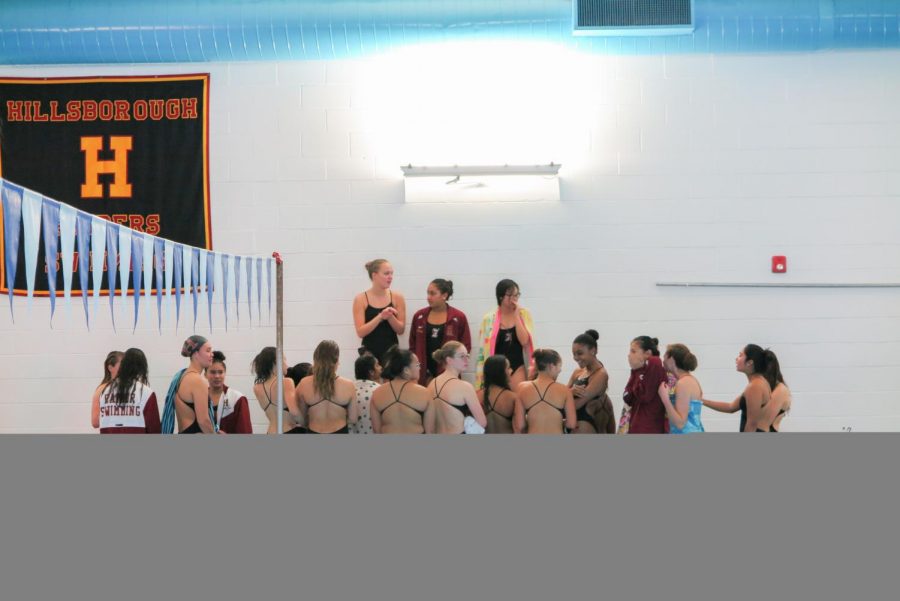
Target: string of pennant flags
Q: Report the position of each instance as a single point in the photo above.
(174, 266)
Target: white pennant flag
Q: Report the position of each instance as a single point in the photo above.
(98, 248)
(67, 220)
(32, 205)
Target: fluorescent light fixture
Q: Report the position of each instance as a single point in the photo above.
(481, 183)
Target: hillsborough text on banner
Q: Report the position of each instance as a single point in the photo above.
(132, 150)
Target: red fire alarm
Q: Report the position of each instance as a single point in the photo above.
(779, 264)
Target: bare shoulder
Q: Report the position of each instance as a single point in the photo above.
(381, 391)
(345, 386)
(193, 379)
(419, 393)
(559, 388)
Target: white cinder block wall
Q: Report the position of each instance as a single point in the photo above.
(690, 168)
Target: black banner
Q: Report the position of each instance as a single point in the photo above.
(133, 150)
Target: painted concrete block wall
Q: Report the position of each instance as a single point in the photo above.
(689, 168)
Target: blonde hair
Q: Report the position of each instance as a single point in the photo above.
(374, 266)
(448, 350)
(324, 370)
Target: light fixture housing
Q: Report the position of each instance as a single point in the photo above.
(481, 183)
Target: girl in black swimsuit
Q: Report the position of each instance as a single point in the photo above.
(379, 326)
(265, 387)
(781, 395)
(401, 405)
(753, 361)
(199, 351)
(457, 396)
(496, 396)
(324, 388)
(549, 395)
(595, 412)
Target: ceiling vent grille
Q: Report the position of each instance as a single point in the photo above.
(633, 17)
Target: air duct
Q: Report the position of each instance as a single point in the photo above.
(185, 31)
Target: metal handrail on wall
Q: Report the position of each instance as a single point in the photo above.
(777, 285)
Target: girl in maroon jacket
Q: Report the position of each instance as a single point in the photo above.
(434, 325)
(645, 387)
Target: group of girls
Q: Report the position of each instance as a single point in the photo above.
(662, 394)
(421, 390)
(124, 402)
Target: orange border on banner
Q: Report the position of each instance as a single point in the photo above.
(204, 77)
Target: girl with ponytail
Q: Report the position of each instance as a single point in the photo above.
(327, 400)
(434, 325)
(753, 362)
(781, 401)
(645, 389)
(683, 403)
(454, 399)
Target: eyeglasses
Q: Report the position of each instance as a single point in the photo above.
(513, 296)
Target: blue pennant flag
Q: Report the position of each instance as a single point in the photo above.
(169, 262)
(249, 264)
(98, 255)
(259, 289)
(12, 226)
(67, 217)
(271, 286)
(237, 288)
(31, 236)
(195, 279)
(137, 260)
(268, 288)
(210, 278)
(51, 248)
(159, 266)
(112, 256)
(124, 261)
(178, 271)
(148, 265)
(226, 271)
(84, 260)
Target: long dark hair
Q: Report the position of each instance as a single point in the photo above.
(299, 371)
(264, 364)
(111, 359)
(364, 366)
(765, 363)
(773, 371)
(494, 375)
(132, 370)
(396, 360)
